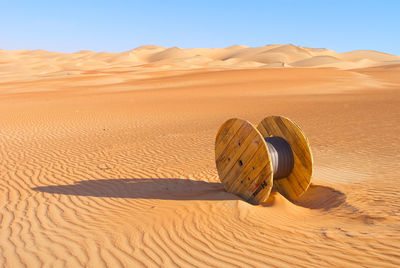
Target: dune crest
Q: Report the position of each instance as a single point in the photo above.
(30, 64)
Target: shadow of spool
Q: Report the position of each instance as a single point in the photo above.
(316, 197)
(166, 189)
(321, 197)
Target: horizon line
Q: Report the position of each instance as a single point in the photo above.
(149, 45)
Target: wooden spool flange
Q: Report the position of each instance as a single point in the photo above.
(244, 162)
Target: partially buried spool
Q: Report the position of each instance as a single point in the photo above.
(252, 161)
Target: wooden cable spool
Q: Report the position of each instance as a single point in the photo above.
(253, 161)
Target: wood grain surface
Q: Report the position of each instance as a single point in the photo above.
(243, 161)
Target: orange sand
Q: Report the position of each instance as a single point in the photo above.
(108, 159)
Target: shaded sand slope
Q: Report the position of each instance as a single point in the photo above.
(115, 166)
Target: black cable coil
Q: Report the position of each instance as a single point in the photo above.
(281, 156)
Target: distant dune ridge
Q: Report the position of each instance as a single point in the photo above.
(27, 64)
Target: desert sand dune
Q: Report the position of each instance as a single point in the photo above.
(27, 65)
(107, 159)
(316, 60)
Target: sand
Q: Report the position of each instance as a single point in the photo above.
(107, 159)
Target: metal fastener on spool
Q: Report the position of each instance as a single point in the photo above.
(252, 161)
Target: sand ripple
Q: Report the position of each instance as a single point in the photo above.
(98, 176)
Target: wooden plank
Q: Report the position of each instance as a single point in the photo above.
(246, 178)
(293, 136)
(285, 188)
(225, 134)
(243, 162)
(242, 165)
(248, 174)
(235, 148)
(261, 192)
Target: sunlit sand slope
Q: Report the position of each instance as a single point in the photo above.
(108, 163)
(30, 64)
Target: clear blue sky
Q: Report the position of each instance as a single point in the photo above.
(116, 26)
